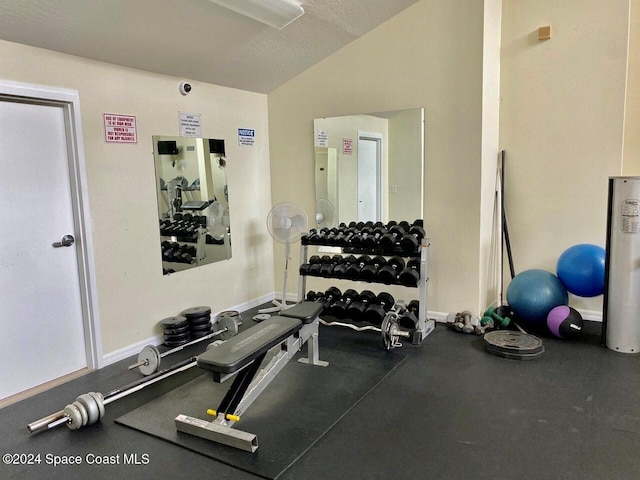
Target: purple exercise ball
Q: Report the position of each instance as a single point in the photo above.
(564, 322)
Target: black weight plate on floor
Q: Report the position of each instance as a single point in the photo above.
(514, 345)
(175, 322)
(200, 328)
(196, 322)
(196, 312)
(177, 331)
(200, 334)
(178, 338)
(175, 344)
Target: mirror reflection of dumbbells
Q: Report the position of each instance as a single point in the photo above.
(177, 252)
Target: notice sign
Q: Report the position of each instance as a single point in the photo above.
(246, 137)
(321, 138)
(190, 124)
(120, 128)
(347, 146)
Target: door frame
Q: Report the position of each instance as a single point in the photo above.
(69, 101)
(378, 139)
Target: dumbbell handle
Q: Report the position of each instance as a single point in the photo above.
(177, 349)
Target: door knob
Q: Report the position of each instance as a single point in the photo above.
(66, 241)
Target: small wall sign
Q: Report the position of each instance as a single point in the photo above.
(120, 128)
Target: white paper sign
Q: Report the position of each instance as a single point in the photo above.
(190, 124)
(322, 139)
(246, 137)
(120, 128)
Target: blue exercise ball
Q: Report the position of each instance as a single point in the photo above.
(581, 270)
(532, 294)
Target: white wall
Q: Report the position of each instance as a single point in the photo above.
(561, 124)
(631, 163)
(133, 295)
(430, 56)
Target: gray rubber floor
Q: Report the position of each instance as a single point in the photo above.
(449, 411)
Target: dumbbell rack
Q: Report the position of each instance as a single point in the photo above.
(425, 325)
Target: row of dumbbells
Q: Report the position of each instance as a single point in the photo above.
(177, 252)
(180, 228)
(390, 237)
(365, 306)
(364, 268)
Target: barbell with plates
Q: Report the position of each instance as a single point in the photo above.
(149, 357)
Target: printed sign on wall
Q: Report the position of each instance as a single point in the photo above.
(322, 140)
(120, 128)
(190, 125)
(246, 136)
(347, 146)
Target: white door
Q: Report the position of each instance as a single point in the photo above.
(369, 159)
(43, 334)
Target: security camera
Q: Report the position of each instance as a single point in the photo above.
(185, 88)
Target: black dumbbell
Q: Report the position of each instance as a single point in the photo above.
(358, 239)
(389, 272)
(378, 308)
(388, 241)
(331, 295)
(410, 276)
(344, 235)
(340, 270)
(371, 241)
(409, 318)
(329, 264)
(370, 271)
(411, 241)
(353, 271)
(356, 309)
(339, 308)
(315, 264)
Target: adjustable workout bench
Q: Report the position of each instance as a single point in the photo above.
(242, 356)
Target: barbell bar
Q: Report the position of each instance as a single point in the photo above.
(150, 357)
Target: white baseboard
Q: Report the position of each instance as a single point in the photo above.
(134, 349)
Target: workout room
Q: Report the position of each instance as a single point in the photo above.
(320, 239)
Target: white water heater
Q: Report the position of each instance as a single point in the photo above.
(621, 308)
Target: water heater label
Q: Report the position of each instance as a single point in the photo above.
(630, 213)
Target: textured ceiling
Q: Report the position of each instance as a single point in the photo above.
(194, 39)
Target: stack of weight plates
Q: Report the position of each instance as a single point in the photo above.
(199, 319)
(177, 331)
(513, 345)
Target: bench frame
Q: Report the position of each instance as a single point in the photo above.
(249, 383)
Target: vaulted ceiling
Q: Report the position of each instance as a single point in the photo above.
(194, 39)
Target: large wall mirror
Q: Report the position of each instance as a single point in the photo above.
(193, 201)
(369, 167)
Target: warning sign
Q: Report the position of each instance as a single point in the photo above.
(246, 137)
(347, 146)
(120, 128)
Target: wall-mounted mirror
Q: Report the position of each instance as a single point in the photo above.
(369, 167)
(193, 201)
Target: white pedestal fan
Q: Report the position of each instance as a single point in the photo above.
(286, 223)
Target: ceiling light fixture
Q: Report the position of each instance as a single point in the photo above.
(275, 13)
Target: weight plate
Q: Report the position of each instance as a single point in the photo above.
(514, 345)
(151, 358)
(92, 408)
(84, 413)
(99, 402)
(261, 317)
(196, 312)
(230, 325)
(199, 321)
(75, 418)
(201, 333)
(178, 338)
(385, 330)
(174, 322)
(176, 331)
(232, 314)
(175, 344)
(201, 328)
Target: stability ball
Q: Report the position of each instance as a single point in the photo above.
(533, 293)
(581, 270)
(564, 322)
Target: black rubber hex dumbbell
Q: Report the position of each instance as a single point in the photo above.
(409, 318)
(389, 240)
(379, 307)
(358, 239)
(329, 264)
(330, 296)
(371, 241)
(389, 272)
(410, 276)
(411, 241)
(340, 270)
(356, 309)
(370, 271)
(353, 271)
(339, 308)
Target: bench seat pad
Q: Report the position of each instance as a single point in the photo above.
(248, 345)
